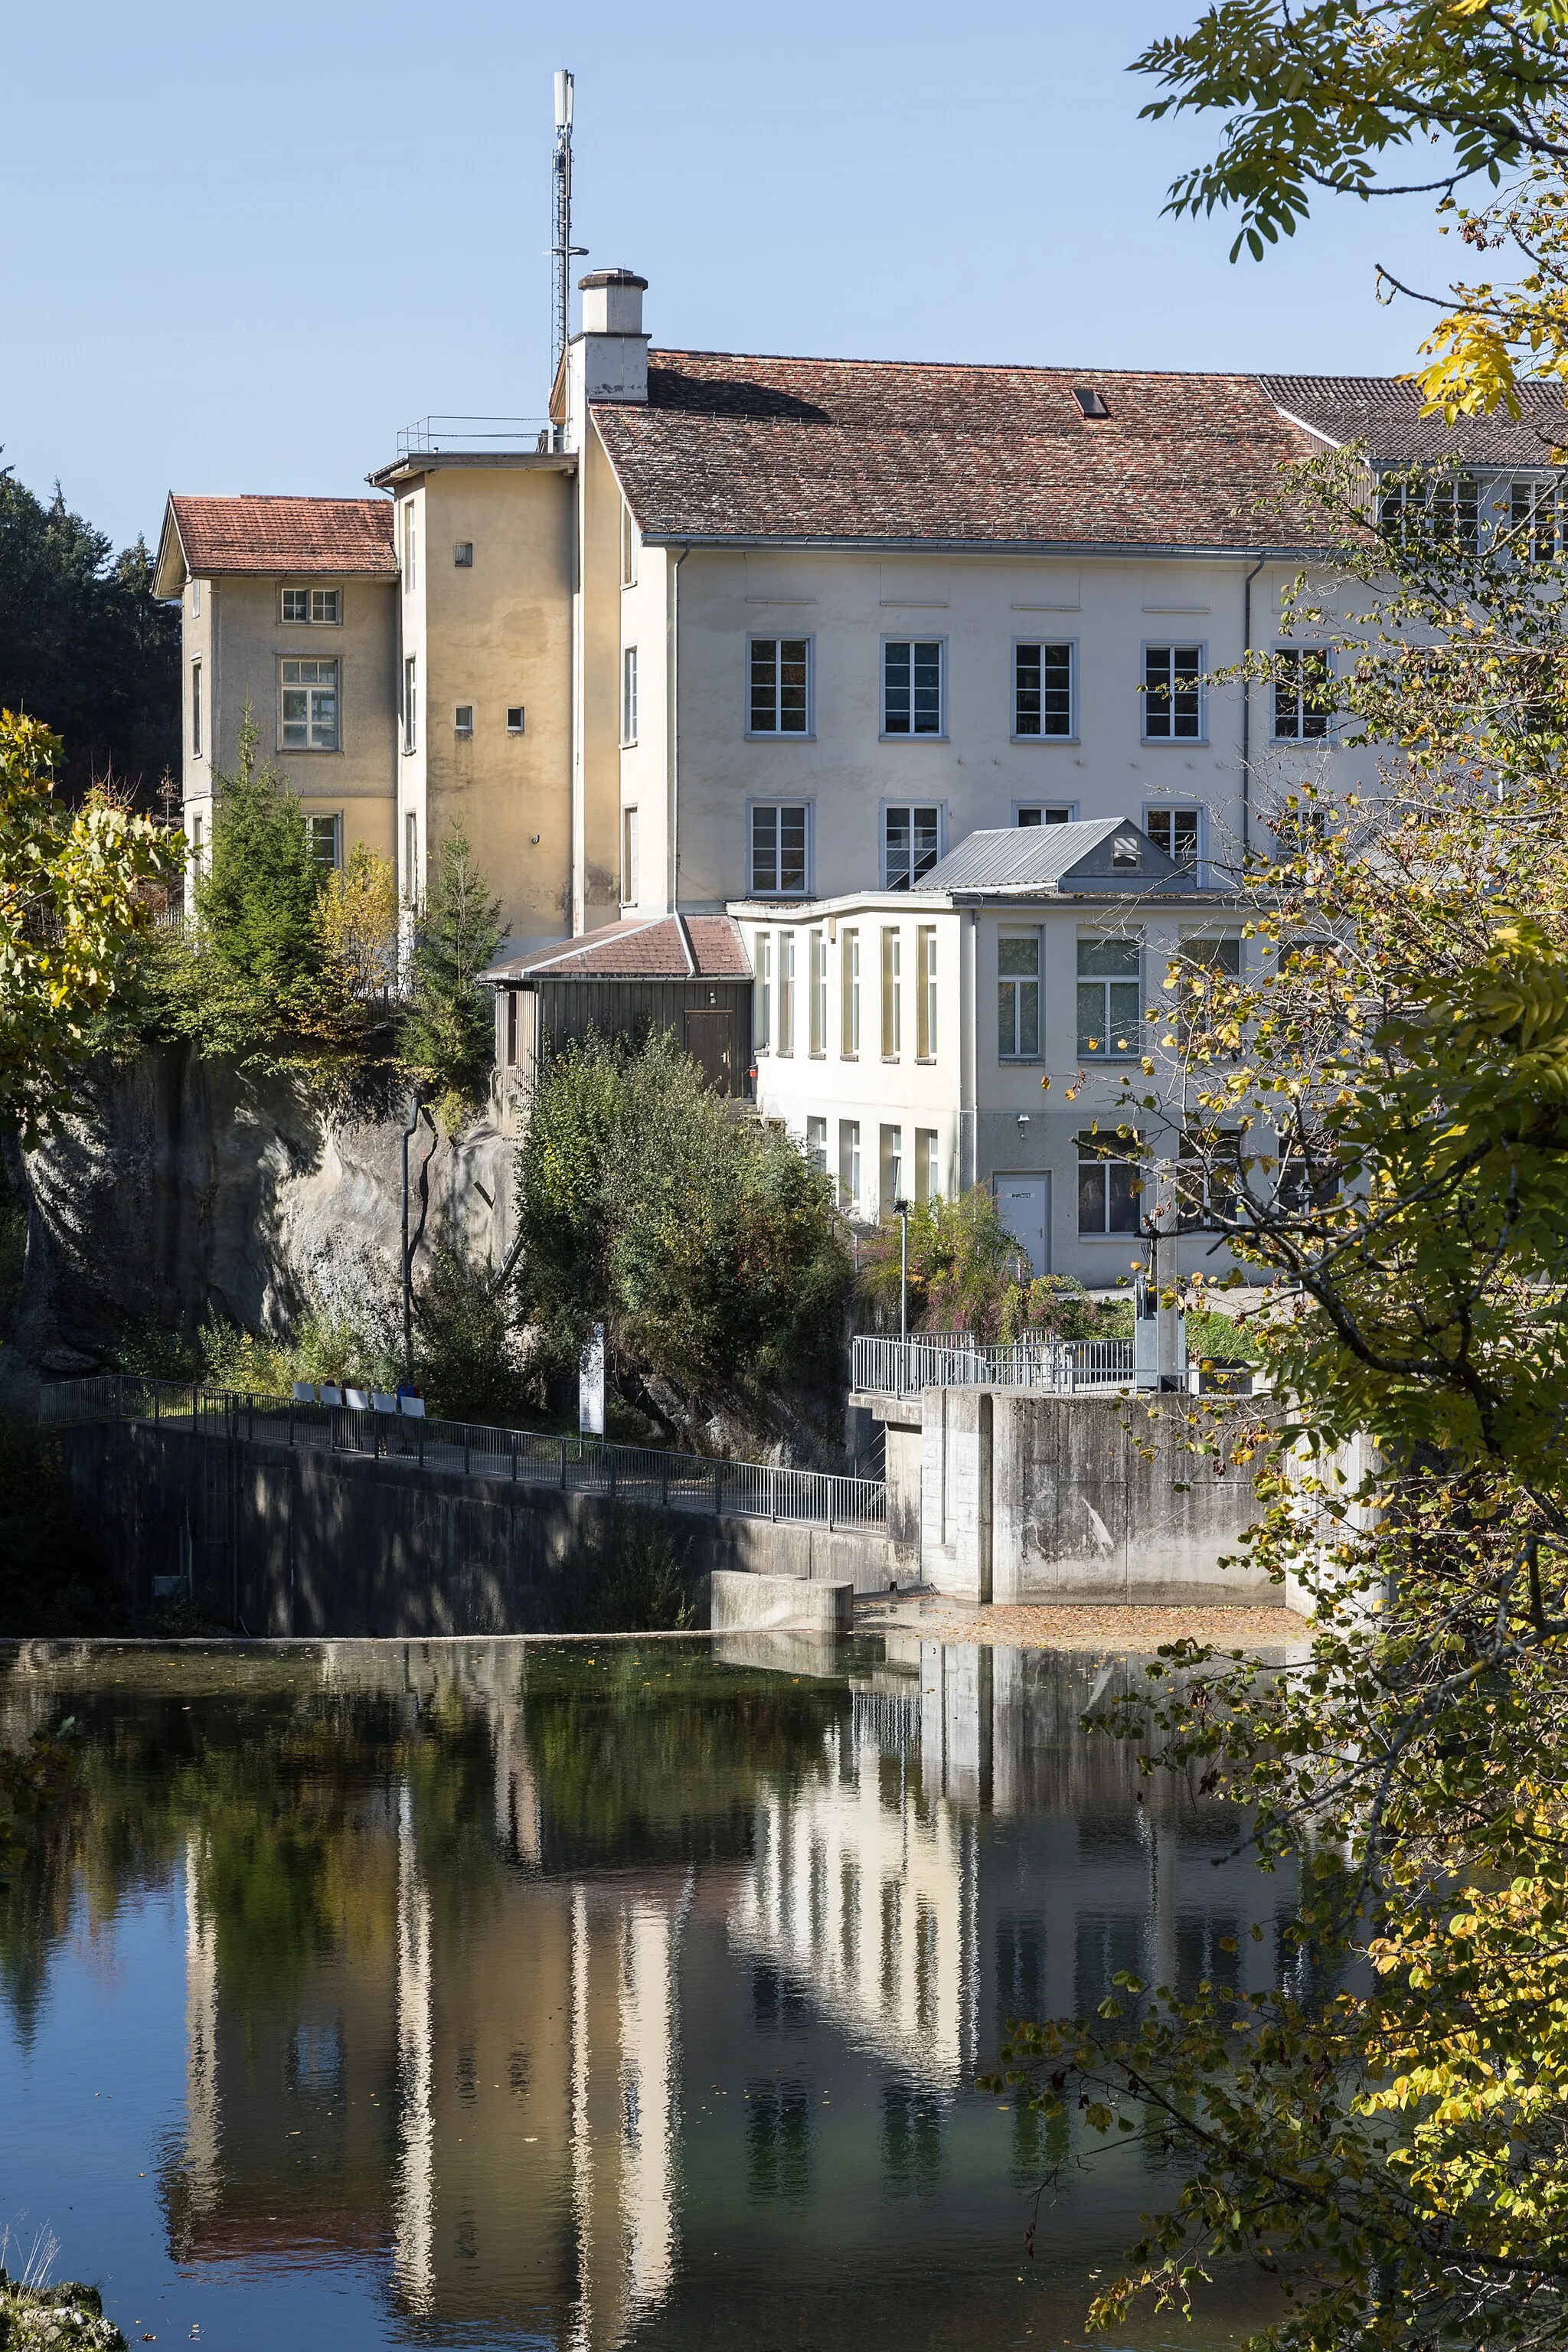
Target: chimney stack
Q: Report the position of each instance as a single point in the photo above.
(615, 348)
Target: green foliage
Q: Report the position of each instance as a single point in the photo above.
(632, 1581)
(257, 897)
(72, 886)
(465, 1352)
(704, 1243)
(448, 1036)
(67, 2317)
(85, 647)
(1221, 1340)
(966, 1272)
(320, 1347)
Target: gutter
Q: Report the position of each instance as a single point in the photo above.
(1247, 712)
(672, 753)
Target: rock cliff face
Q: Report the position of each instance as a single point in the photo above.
(182, 1188)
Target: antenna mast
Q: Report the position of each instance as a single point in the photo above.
(562, 249)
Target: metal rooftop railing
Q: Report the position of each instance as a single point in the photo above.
(450, 436)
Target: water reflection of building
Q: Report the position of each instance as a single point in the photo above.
(513, 2065)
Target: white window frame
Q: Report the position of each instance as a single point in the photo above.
(1104, 1021)
(782, 734)
(628, 697)
(786, 1046)
(1071, 733)
(462, 555)
(1010, 988)
(196, 600)
(631, 540)
(410, 703)
(1321, 721)
(1154, 810)
(463, 719)
(1129, 1153)
(410, 859)
(631, 880)
(816, 1144)
(1531, 498)
(310, 687)
(196, 753)
(762, 966)
(849, 993)
(908, 808)
(849, 1164)
(911, 734)
(927, 1166)
(320, 825)
(410, 546)
(1019, 818)
(777, 807)
(1173, 645)
(817, 980)
(889, 1163)
(890, 992)
(331, 600)
(927, 1032)
(286, 597)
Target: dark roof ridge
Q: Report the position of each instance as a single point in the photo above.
(658, 352)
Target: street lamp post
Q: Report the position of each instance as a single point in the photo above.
(902, 1211)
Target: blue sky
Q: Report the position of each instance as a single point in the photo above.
(243, 245)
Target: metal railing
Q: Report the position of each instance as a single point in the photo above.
(435, 436)
(902, 1368)
(591, 1465)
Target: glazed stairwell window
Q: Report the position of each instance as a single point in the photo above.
(779, 687)
(1109, 1182)
(912, 843)
(779, 849)
(308, 710)
(1174, 694)
(913, 686)
(849, 994)
(1018, 996)
(1042, 692)
(1109, 1000)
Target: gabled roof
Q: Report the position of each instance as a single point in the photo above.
(732, 447)
(1062, 858)
(210, 539)
(1385, 413)
(664, 947)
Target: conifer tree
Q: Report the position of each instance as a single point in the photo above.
(446, 1037)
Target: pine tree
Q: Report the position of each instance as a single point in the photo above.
(257, 901)
(446, 1037)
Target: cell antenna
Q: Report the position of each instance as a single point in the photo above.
(561, 249)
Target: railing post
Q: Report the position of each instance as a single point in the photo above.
(718, 1487)
(832, 1502)
(563, 1462)
(290, 1420)
(156, 1401)
(514, 1457)
(773, 1494)
(468, 1447)
(421, 1420)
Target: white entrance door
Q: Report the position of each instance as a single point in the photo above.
(1023, 1203)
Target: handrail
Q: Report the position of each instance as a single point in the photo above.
(639, 1474)
(902, 1368)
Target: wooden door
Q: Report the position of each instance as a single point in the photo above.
(708, 1040)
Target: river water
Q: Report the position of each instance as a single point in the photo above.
(581, 1995)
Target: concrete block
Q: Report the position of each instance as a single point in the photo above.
(744, 1603)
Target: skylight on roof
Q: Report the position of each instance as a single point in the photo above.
(1090, 401)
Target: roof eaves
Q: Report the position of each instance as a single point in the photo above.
(658, 535)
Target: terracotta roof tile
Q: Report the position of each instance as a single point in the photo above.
(648, 950)
(745, 447)
(268, 534)
(1385, 413)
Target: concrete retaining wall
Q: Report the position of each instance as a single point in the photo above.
(297, 1541)
(752, 1603)
(1030, 1498)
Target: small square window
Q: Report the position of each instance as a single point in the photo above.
(326, 606)
(296, 603)
(463, 719)
(463, 554)
(514, 716)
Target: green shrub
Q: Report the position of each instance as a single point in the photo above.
(446, 1044)
(633, 1584)
(465, 1352)
(1221, 1338)
(705, 1242)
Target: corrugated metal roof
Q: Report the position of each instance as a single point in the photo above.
(1055, 857)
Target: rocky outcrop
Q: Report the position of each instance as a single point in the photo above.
(182, 1188)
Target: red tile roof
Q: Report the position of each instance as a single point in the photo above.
(266, 534)
(732, 446)
(1384, 412)
(655, 949)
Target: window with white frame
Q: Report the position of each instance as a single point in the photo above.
(196, 600)
(1018, 996)
(778, 686)
(1536, 519)
(928, 1181)
(849, 1164)
(410, 545)
(1110, 999)
(462, 555)
(1301, 685)
(322, 607)
(913, 686)
(463, 719)
(630, 890)
(1176, 831)
(786, 992)
(816, 946)
(309, 706)
(849, 993)
(763, 963)
(890, 1166)
(629, 541)
(1044, 811)
(197, 842)
(1174, 694)
(410, 859)
(912, 843)
(410, 703)
(925, 992)
(892, 994)
(816, 1144)
(1042, 691)
(325, 835)
(629, 695)
(197, 710)
(779, 849)
(1109, 1182)
(1451, 507)
(1208, 1176)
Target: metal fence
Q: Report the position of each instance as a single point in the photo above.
(902, 1368)
(583, 1465)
